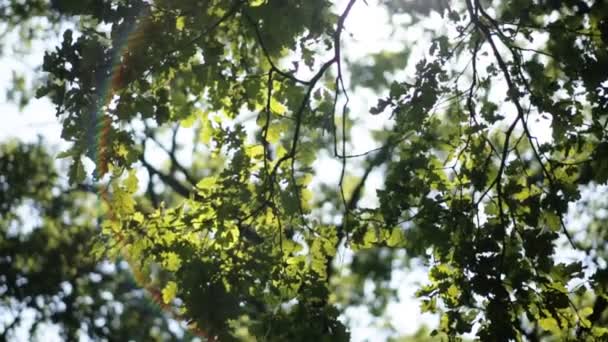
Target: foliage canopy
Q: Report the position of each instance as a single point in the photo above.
(497, 128)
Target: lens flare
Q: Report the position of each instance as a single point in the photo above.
(133, 41)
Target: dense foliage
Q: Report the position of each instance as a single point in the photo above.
(497, 129)
(47, 267)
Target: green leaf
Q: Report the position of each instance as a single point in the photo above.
(396, 238)
(207, 183)
(549, 324)
(169, 292)
(277, 107)
(171, 261)
(552, 221)
(131, 183)
(180, 23)
(583, 314)
(206, 131)
(77, 174)
(256, 3)
(66, 153)
(274, 133)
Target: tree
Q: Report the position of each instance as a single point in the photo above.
(487, 141)
(48, 269)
